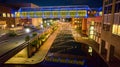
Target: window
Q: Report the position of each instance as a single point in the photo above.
(119, 30)
(110, 1)
(114, 29)
(17, 14)
(12, 15)
(116, 18)
(91, 32)
(4, 14)
(0, 14)
(92, 23)
(106, 2)
(55, 13)
(105, 10)
(116, 26)
(92, 28)
(31, 14)
(117, 6)
(109, 18)
(91, 36)
(109, 9)
(106, 27)
(8, 14)
(105, 18)
(100, 13)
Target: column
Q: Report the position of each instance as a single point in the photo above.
(84, 25)
(29, 51)
(102, 47)
(110, 53)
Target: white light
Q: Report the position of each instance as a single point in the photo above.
(50, 20)
(91, 28)
(41, 26)
(27, 30)
(45, 21)
(12, 26)
(48, 24)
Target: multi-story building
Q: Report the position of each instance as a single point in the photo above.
(110, 36)
(94, 24)
(6, 17)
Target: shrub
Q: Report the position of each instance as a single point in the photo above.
(27, 38)
(12, 34)
(34, 34)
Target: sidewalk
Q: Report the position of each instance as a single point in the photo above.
(115, 62)
(39, 56)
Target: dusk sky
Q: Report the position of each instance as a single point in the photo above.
(90, 3)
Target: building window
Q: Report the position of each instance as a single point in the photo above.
(106, 27)
(109, 9)
(105, 10)
(12, 15)
(17, 14)
(92, 23)
(0, 14)
(116, 25)
(100, 13)
(116, 29)
(8, 14)
(119, 30)
(106, 2)
(110, 1)
(4, 14)
(117, 6)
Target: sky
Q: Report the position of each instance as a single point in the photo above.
(90, 3)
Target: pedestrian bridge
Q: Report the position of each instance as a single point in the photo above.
(53, 12)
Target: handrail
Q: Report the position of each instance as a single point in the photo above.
(12, 52)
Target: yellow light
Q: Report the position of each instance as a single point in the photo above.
(100, 13)
(12, 15)
(8, 14)
(91, 32)
(92, 23)
(88, 12)
(4, 14)
(91, 28)
(12, 26)
(91, 36)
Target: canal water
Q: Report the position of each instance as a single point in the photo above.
(66, 52)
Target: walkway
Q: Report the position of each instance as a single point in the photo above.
(39, 56)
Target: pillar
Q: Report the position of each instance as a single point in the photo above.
(102, 47)
(29, 51)
(84, 25)
(110, 53)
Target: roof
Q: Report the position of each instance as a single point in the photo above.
(50, 8)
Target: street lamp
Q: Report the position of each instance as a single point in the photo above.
(27, 30)
(12, 26)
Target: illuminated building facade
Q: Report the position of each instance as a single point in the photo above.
(110, 36)
(94, 24)
(6, 17)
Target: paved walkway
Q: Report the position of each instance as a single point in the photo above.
(39, 56)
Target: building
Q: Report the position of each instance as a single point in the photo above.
(110, 32)
(94, 21)
(6, 17)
